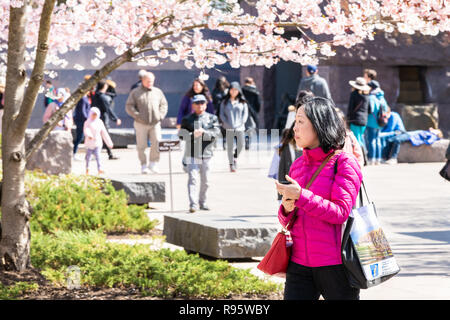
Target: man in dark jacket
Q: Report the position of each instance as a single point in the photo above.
(103, 101)
(314, 83)
(198, 129)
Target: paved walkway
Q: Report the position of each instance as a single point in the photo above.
(412, 200)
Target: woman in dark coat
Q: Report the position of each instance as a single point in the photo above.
(358, 109)
(198, 87)
(219, 93)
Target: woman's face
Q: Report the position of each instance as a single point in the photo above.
(305, 135)
(197, 87)
(93, 116)
(234, 93)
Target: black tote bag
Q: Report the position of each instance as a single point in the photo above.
(366, 254)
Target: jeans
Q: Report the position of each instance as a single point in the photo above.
(96, 153)
(233, 150)
(306, 283)
(198, 170)
(391, 150)
(358, 131)
(373, 143)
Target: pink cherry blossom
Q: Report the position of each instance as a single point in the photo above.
(258, 38)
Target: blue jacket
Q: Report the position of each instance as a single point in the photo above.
(186, 108)
(376, 101)
(395, 123)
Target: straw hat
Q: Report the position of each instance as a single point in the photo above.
(360, 84)
(111, 83)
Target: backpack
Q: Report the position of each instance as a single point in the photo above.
(382, 118)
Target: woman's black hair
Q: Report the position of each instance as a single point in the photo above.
(286, 138)
(302, 96)
(240, 97)
(205, 91)
(222, 84)
(329, 127)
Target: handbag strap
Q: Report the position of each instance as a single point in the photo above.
(316, 173)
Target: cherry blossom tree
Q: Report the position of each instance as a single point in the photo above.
(35, 34)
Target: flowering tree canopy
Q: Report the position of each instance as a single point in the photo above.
(157, 30)
(35, 35)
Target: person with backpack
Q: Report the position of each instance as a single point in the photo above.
(375, 122)
(357, 111)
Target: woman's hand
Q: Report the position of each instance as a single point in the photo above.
(289, 191)
(288, 204)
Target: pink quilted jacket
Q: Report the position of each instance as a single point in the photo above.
(323, 208)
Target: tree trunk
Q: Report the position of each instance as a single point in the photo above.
(19, 104)
(15, 242)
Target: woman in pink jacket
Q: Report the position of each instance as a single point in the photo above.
(95, 133)
(316, 267)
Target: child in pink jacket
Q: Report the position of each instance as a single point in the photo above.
(95, 133)
(315, 267)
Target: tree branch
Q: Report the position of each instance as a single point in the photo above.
(70, 103)
(37, 75)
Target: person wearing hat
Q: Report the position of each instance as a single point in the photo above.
(377, 102)
(58, 100)
(234, 115)
(357, 111)
(314, 83)
(199, 129)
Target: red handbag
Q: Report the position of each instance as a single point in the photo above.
(276, 260)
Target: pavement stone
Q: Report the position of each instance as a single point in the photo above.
(412, 200)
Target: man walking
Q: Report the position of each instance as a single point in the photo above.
(314, 83)
(147, 105)
(199, 129)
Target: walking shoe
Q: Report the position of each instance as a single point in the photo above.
(204, 207)
(77, 157)
(191, 210)
(113, 157)
(232, 168)
(154, 167)
(145, 170)
(391, 161)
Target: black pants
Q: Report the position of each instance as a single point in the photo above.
(305, 283)
(78, 136)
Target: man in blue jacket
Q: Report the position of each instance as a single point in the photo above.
(394, 127)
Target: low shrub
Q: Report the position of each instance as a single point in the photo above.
(16, 290)
(69, 202)
(161, 273)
